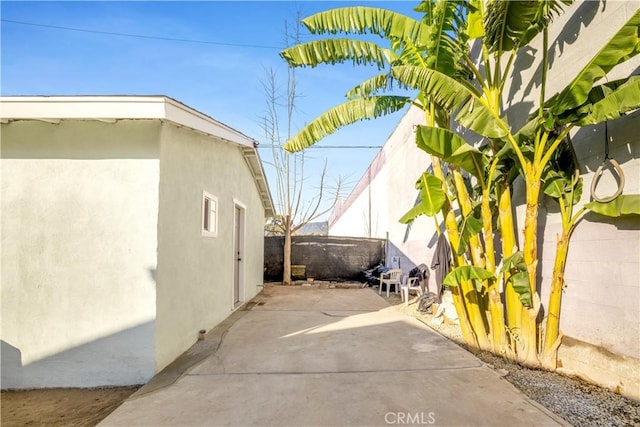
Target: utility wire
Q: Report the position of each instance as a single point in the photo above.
(141, 36)
(326, 146)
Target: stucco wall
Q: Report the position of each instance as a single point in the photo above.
(79, 217)
(195, 273)
(392, 193)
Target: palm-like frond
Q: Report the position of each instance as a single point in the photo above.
(613, 102)
(380, 83)
(430, 200)
(451, 148)
(333, 51)
(624, 45)
(368, 20)
(475, 21)
(342, 115)
(453, 96)
(512, 24)
(446, 42)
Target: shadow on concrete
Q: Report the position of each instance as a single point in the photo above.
(310, 356)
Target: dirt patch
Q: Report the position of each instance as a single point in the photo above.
(61, 406)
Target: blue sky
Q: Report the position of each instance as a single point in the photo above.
(221, 78)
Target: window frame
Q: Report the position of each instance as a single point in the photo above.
(209, 222)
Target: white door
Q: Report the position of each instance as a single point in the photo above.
(238, 254)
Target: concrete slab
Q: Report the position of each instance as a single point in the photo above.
(333, 341)
(314, 298)
(332, 357)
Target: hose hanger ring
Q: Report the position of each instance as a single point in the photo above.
(596, 179)
(616, 168)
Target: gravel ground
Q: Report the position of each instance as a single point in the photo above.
(579, 403)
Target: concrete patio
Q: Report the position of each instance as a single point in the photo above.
(304, 356)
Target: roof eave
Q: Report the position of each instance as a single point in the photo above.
(109, 109)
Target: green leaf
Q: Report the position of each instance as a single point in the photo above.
(342, 115)
(452, 95)
(624, 45)
(468, 272)
(431, 200)
(518, 277)
(555, 184)
(624, 98)
(368, 20)
(520, 284)
(337, 51)
(475, 24)
(470, 227)
(451, 148)
(514, 262)
(379, 83)
(512, 24)
(445, 44)
(625, 204)
(525, 135)
(577, 191)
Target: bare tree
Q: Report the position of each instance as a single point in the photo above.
(294, 207)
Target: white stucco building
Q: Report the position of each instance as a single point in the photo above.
(601, 304)
(129, 223)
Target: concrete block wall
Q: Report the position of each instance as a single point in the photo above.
(325, 258)
(601, 304)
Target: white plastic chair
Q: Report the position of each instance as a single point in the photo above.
(410, 284)
(391, 277)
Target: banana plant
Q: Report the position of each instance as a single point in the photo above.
(432, 57)
(536, 147)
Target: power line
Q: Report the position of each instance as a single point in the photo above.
(326, 146)
(141, 36)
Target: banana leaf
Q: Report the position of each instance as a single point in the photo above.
(557, 185)
(342, 115)
(452, 95)
(469, 227)
(431, 198)
(337, 51)
(475, 23)
(446, 44)
(625, 204)
(368, 20)
(466, 273)
(625, 98)
(379, 83)
(451, 148)
(518, 277)
(509, 25)
(624, 45)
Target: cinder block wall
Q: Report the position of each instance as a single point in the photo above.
(601, 304)
(325, 258)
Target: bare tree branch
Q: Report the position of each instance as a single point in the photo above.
(295, 207)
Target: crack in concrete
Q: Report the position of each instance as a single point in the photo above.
(453, 368)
